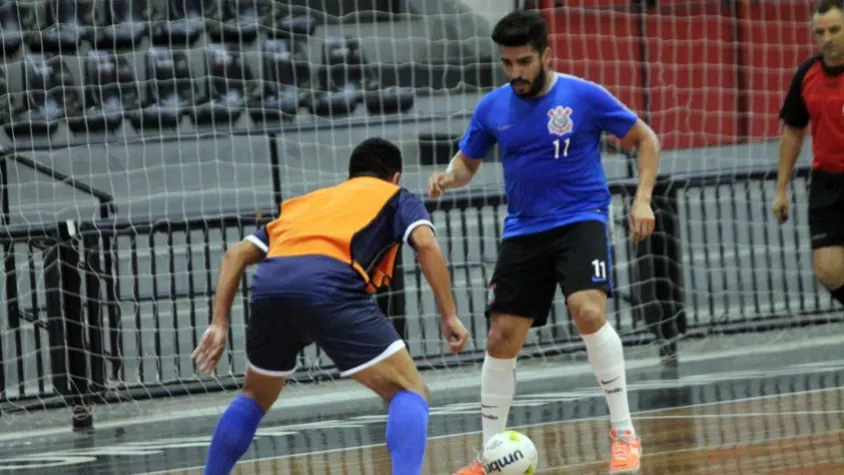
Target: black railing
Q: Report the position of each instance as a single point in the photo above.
(718, 263)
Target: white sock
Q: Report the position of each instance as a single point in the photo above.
(606, 356)
(498, 386)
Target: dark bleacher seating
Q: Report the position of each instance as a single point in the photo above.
(50, 96)
(170, 90)
(10, 29)
(340, 83)
(108, 93)
(278, 98)
(347, 80)
(68, 23)
(182, 22)
(241, 21)
(125, 24)
(228, 77)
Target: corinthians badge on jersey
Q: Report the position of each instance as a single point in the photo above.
(559, 120)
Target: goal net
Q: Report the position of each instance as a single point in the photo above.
(141, 139)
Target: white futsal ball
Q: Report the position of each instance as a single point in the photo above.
(510, 453)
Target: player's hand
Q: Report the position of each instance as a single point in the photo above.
(207, 354)
(438, 183)
(454, 333)
(642, 220)
(780, 207)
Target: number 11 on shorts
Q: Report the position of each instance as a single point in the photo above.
(565, 148)
(600, 268)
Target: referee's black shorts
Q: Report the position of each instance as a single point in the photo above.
(826, 209)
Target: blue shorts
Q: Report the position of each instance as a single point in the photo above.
(354, 333)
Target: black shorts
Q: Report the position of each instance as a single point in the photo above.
(354, 333)
(576, 256)
(826, 209)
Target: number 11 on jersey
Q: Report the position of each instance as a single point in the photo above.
(565, 148)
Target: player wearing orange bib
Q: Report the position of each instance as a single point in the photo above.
(320, 262)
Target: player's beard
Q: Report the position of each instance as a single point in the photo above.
(536, 84)
(833, 56)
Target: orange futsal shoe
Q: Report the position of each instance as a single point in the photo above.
(474, 468)
(626, 453)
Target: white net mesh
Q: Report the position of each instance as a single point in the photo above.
(173, 122)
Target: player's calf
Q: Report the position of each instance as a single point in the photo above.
(398, 382)
(236, 427)
(606, 357)
(829, 269)
(498, 379)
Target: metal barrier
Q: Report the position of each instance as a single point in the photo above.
(154, 282)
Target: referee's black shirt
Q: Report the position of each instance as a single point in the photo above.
(816, 96)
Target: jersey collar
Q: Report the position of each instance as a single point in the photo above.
(830, 70)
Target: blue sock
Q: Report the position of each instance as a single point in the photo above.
(233, 435)
(407, 432)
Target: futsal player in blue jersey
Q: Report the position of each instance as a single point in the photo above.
(319, 263)
(548, 129)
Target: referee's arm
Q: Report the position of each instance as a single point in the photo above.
(795, 118)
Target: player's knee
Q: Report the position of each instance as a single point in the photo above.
(588, 316)
(265, 397)
(502, 343)
(829, 274)
(395, 374)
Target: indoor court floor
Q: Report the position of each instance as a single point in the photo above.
(772, 412)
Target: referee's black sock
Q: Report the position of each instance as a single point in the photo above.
(838, 294)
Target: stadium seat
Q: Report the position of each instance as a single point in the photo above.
(170, 90)
(68, 23)
(295, 24)
(340, 84)
(241, 20)
(50, 96)
(106, 95)
(381, 100)
(10, 28)
(228, 77)
(287, 21)
(278, 98)
(182, 22)
(125, 24)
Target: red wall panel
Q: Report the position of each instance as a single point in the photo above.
(693, 59)
(692, 76)
(601, 46)
(777, 38)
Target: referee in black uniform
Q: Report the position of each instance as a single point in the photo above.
(816, 97)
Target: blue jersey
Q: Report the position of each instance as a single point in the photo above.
(550, 151)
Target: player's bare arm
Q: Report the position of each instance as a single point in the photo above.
(433, 265)
(459, 173)
(234, 262)
(790, 146)
(646, 142)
